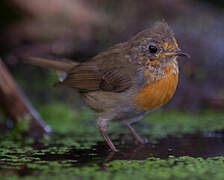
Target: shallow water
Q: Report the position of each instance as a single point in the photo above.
(181, 146)
(26, 159)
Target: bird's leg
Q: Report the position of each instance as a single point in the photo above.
(108, 140)
(134, 134)
(102, 124)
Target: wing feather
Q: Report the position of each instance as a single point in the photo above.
(89, 78)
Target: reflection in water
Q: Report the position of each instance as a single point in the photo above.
(194, 145)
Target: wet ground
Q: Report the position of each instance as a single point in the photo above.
(30, 158)
(179, 149)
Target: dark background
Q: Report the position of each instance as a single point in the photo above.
(78, 30)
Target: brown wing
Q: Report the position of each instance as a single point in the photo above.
(89, 78)
(115, 80)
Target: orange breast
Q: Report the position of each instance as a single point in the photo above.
(158, 92)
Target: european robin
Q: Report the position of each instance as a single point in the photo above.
(126, 81)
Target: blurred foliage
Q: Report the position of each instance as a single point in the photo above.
(42, 81)
(54, 31)
(64, 118)
(158, 124)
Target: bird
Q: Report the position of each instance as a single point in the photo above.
(126, 81)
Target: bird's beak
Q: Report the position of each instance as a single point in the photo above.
(177, 52)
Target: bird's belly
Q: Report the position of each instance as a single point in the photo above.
(156, 93)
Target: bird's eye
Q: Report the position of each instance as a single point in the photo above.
(152, 49)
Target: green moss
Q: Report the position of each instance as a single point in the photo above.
(77, 151)
(62, 118)
(172, 122)
(161, 123)
(152, 168)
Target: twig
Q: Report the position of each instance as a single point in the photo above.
(17, 106)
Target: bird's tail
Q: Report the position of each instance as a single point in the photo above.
(64, 66)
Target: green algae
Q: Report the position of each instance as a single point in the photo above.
(158, 124)
(63, 118)
(172, 122)
(77, 151)
(152, 168)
